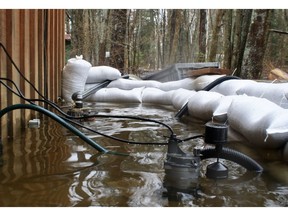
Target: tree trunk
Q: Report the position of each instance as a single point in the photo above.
(202, 35)
(83, 35)
(227, 39)
(117, 55)
(175, 23)
(215, 35)
(245, 24)
(104, 45)
(256, 45)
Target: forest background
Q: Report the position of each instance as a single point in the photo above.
(249, 42)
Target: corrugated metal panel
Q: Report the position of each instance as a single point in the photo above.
(35, 41)
(178, 71)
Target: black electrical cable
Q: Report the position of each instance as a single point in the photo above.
(18, 70)
(55, 106)
(193, 137)
(68, 118)
(211, 85)
(112, 137)
(20, 94)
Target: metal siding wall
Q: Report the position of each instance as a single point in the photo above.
(22, 33)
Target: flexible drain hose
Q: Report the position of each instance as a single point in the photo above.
(232, 155)
(57, 119)
(184, 109)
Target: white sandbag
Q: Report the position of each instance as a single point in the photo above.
(202, 105)
(231, 87)
(220, 113)
(187, 83)
(74, 77)
(115, 95)
(261, 121)
(275, 92)
(277, 132)
(127, 84)
(234, 136)
(99, 74)
(180, 97)
(90, 85)
(202, 81)
(157, 96)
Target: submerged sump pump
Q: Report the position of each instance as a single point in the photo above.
(187, 166)
(180, 165)
(182, 170)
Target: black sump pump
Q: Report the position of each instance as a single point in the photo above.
(186, 165)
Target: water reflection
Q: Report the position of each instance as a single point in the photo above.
(50, 166)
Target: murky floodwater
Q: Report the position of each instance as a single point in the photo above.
(50, 166)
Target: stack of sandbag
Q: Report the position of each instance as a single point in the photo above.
(261, 122)
(115, 95)
(98, 74)
(202, 105)
(231, 87)
(74, 77)
(275, 92)
(127, 84)
(152, 91)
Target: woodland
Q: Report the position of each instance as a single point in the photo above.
(248, 42)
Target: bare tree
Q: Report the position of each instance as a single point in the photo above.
(202, 35)
(215, 35)
(256, 45)
(118, 34)
(175, 24)
(242, 24)
(140, 40)
(227, 39)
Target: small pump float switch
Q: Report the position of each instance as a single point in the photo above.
(216, 134)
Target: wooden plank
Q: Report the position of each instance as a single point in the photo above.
(9, 48)
(14, 73)
(207, 71)
(22, 60)
(3, 104)
(40, 51)
(22, 33)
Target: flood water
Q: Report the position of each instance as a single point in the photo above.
(49, 166)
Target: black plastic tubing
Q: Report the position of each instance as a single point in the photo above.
(232, 155)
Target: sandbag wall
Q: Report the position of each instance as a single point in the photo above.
(256, 112)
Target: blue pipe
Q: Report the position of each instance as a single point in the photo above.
(57, 119)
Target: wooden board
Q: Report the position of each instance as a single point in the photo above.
(207, 71)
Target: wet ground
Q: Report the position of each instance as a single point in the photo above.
(49, 166)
